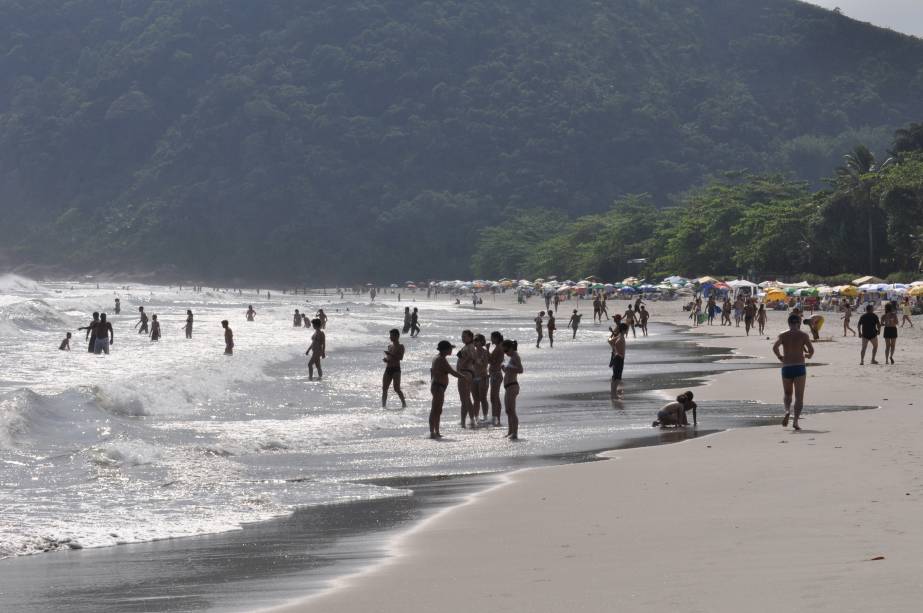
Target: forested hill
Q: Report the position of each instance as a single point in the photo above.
(372, 139)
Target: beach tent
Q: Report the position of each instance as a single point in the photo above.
(867, 279)
(739, 283)
(850, 291)
(706, 279)
(916, 284)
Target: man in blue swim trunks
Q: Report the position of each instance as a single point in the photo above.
(795, 348)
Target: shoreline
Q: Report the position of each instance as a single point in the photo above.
(418, 550)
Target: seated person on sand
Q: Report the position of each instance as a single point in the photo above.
(674, 413)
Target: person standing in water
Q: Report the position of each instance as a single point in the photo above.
(552, 326)
(118, 306)
(91, 332)
(603, 309)
(643, 316)
(228, 338)
(795, 347)
(494, 361)
(296, 319)
(617, 359)
(66, 343)
(889, 331)
(188, 326)
(251, 313)
(142, 321)
(511, 371)
(407, 318)
(155, 329)
(481, 382)
(317, 350)
(414, 323)
(630, 319)
(323, 318)
(597, 310)
(105, 336)
(467, 357)
(574, 322)
(539, 321)
(393, 356)
(869, 327)
(439, 376)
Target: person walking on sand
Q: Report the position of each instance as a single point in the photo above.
(142, 321)
(596, 309)
(317, 350)
(511, 371)
(296, 319)
(494, 361)
(439, 382)
(574, 323)
(749, 315)
(91, 332)
(795, 346)
(869, 327)
(481, 382)
(188, 327)
(467, 357)
(414, 323)
(155, 329)
(105, 336)
(847, 315)
(393, 356)
(228, 338)
(539, 325)
(674, 413)
(603, 309)
(407, 318)
(251, 313)
(617, 360)
(906, 312)
(552, 326)
(66, 343)
(889, 331)
(761, 318)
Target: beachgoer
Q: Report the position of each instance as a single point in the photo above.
(155, 329)
(761, 318)
(494, 361)
(228, 338)
(596, 309)
(105, 336)
(574, 322)
(91, 333)
(814, 324)
(480, 384)
(603, 310)
(674, 413)
(795, 347)
(251, 313)
(317, 350)
(749, 315)
(552, 326)
(142, 321)
(557, 301)
(467, 357)
(323, 318)
(539, 324)
(414, 323)
(630, 321)
(889, 331)
(643, 316)
(906, 312)
(296, 319)
(726, 311)
(738, 311)
(711, 309)
(511, 371)
(439, 381)
(869, 326)
(847, 315)
(617, 359)
(188, 327)
(407, 318)
(118, 306)
(393, 356)
(66, 343)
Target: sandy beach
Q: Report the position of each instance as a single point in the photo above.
(759, 519)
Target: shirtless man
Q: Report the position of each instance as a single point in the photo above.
(393, 356)
(414, 323)
(439, 374)
(228, 338)
(539, 321)
(603, 310)
(643, 316)
(494, 361)
(630, 321)
(738, 311)
(795, 347)
(251, 313)
(142, 321)
(617, 359)
(597, 309)
(467, 358)
(481, 381)
(406, 328)
(155, 329)
(296, 319)
(726, 312)
(105, 336)
(552, 326)
(188, 326)
(574, 322)
(118, 306)
(749, 315)
(317, 350)
(91, 333)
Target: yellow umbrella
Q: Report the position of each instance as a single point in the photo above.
(849, 290)
(917, 291)
(775, 294)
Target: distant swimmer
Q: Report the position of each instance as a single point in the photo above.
(494, 362)
(188, 326)
(251, 313)
(228, 338)
(142, 321)
(795, 347)
(155, 329)
(393, 356)
(511, 371)
(539, 326)
(407, 317)
(467, 358)
(118, 306)
(439, 376)
(643, 317)
(552, 326)
(574, 322)
(617, 360)
(323, 318)
(66, 343)
(414, 323)
(91, 333)
(296, 320)
(105, 336)
(869, 327)
(481, 383)
(317, 350)
(674, 413)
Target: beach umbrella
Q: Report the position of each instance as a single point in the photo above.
(850, 291)
(775, 294)
(917, 291)
(627, 290)
(630, 281)
(916, 284)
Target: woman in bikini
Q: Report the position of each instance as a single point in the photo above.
(511, 371)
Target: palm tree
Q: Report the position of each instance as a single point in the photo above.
(858, 176)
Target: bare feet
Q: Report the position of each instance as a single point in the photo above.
(785, 420)
(796, 427)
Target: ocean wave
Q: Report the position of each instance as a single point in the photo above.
(30, 314)
(125, 453)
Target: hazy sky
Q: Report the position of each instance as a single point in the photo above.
(902, 15)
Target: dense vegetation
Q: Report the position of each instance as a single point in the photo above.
(869, 220)
(353, 139)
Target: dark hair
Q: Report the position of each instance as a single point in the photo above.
(316, 322)
(95, 314)
(467, 333)
(480, 338)
(684, 397)
(888, 307)
(224, 322)
(394, 331)
(496, 337)
(102, 317)
(793, 319)
(510, 344)
(623, 328)
(870, 307)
